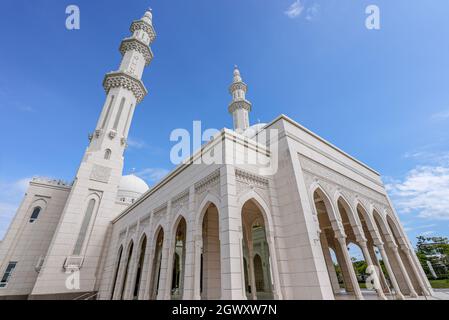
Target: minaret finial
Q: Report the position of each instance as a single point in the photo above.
(148, 16)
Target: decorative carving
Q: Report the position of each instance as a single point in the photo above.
(98, 133)
(132, 229)
(112, 134)
(121, 79)
(237, 86)
(137, 45)
(123, 142)
(208, 182)
(332, 181)
(239, 104)
(161, 210)
(251, 179)
(142, 25)
(180, 200)
(100, 173)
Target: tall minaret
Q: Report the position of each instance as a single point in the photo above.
(239, 107)
(79, 239)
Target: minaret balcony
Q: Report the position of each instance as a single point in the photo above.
(239, 104)
(145, 26)
(126, 81)
(135, 44)
(238, 86)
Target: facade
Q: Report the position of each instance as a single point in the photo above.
(259, 212)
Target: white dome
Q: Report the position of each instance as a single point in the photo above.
(132, 184)
(253, 130)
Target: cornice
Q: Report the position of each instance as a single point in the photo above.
(238, 85)
(239, 104)
(124, 80)
(142, 25)
(137, 45)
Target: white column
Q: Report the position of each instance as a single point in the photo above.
(252, 277)
(329, 263)
(399, 294)
(350, 267)
(197, 267)
(369, 262)
(232, 277)
(163, 279)
(408, 252)
(413, 293)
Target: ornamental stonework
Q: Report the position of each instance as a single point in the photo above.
(237, 86)
(239, 104)
(139, 46)
(100, 173)
(246, 181)
(180, 201)
(333, 181)
(142, 25)
(121, 79)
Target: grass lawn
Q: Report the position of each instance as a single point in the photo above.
(439, 284)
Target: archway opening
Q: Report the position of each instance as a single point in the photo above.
(406, 262)
(255, 247)
(329, 224)
(140, 262)
(177, 286)
(358, 263)
(156, 268)
(210, 285)
(392, 259)
(117, 268)
(125, 276)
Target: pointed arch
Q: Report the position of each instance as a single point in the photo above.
(253, 196)
(207, 201)
(129, 251)
(157, 247)
(352, 216)
(330, 208)
(140, 262)
(177, 254)
(363, 212)
(117, 269)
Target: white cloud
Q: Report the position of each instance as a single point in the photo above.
(295, 9)
(427, 233)
(11, 194)
(152, 174)
(312, 12)
(424, 190)
(136, 143)
(441, 115)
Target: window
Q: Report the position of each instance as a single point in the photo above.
(8, 273)
(107, 154)
(84, 226)
(35, 214)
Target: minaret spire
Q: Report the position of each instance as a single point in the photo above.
(239, 107)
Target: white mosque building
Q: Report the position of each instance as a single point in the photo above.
(270, 218)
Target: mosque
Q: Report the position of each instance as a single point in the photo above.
(258, 212)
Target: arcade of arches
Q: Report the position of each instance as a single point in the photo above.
(377, 239)
(129, 279)
(160, 270)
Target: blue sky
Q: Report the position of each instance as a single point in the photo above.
(382, 96)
